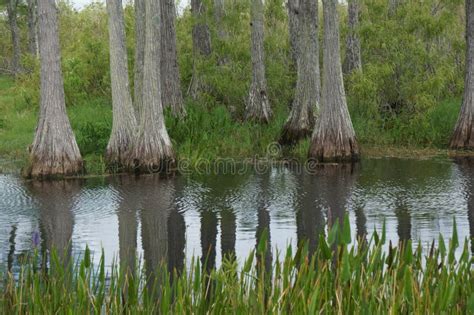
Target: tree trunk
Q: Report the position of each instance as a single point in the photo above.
(293, 17)
(32, 28)
(300, 122)
(15, 35)
(463, 137)
(219, 13)
(201, 45)
(54, 150)
(153, 150)
(353, 60)
(170, 79)
(334, 137)
(139, 56)
(258, 105)
(124, 121)
(393, 6)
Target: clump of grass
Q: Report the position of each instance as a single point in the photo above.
(337, 278)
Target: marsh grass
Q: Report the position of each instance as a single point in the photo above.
(338, 278)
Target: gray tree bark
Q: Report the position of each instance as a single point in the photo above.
(258, 106)
(393, 6)
(300, 122)
(153, 150)
(293, 13)
(333, 137)
(201, 45)
(32, 27)
(124, 121)
(463, 136)
(139, 56)
(170, 79)
(54, 150)
(15, 34)
(353, 61)
(219, 13)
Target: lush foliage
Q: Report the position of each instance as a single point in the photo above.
(407, 95)
(333, 280)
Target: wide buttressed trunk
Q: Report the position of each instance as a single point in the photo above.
(333, 137)
(15, 34)
(170, 79)
(258, 105)
(353, 61)
(124, 121)
(152, 150)
(300, 122)
(54, 151)
(139, 56)
(201, 45)
(32, 27)
(463, 136)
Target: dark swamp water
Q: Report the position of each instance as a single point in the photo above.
(174, 219)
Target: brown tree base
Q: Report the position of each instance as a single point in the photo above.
(290, 135)
(258, 107)
(463, 137)
(326, 151)
(53, 169)
(152, 165)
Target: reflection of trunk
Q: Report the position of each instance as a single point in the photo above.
(157, 199)
(11, 252)
(56, 200)
(176, 241)
(309, 217)
(264, 260)
(208, 239)
(466, 167)
(127, 221)
(338, 181)
(228, 231)
(361, 224)
(15, 34)
(404, 222)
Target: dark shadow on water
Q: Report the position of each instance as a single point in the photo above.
(56, 221)
(466, 169)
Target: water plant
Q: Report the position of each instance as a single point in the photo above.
(341, 276)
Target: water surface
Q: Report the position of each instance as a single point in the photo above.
(174, 219)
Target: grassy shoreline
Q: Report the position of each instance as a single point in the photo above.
(210, 132)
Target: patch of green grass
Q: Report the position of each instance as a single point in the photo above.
(339, 277)
(210, 131)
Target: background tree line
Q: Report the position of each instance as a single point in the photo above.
(408, 57)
